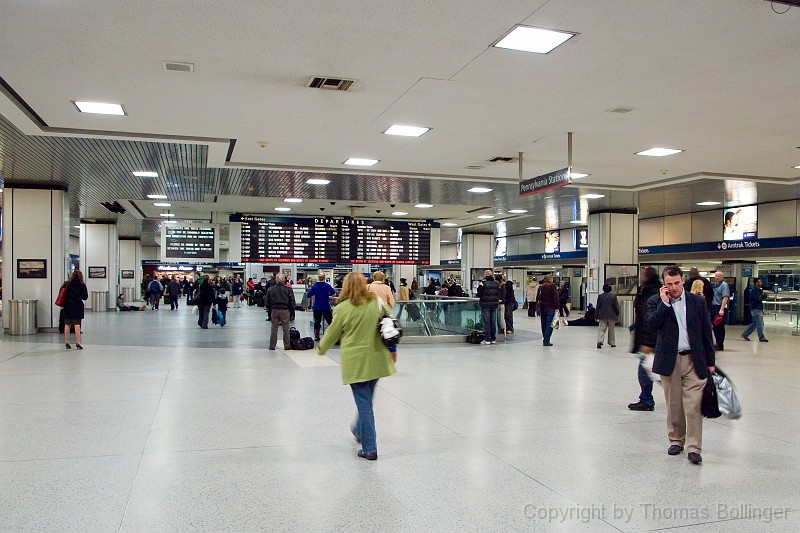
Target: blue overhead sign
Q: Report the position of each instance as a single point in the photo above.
(722, 246)
(579, 254)
(545, 182)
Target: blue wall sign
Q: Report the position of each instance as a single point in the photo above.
(722, 246)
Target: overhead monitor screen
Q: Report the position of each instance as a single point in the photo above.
(500, 247)
(740, 223)
(189, 243)
(552, 242)
(581, 239)
(333, 240)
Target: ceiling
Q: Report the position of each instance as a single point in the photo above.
(715, 78)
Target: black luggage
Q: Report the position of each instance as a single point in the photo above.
(413, 312)
(475, 337)
(294, 334)
(306, 343)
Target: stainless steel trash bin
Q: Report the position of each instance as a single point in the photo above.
(21, 317)
(626, 313)
(128, 292)
(99, 301)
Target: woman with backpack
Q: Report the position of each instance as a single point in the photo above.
(364, 357)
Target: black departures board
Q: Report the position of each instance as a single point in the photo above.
(189, 242)
(333, 240)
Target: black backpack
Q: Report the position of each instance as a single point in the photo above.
(306, 343)
(294, 334)
(475, 337)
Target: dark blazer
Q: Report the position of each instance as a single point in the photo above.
(661, 319)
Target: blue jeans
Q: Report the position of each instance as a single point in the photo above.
(489, 317)
(646, 384)
(547, 316)
(756, 324)
(364, 426)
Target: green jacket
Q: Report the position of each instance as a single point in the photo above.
(364, 356)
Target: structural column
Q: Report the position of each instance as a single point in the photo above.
(613, 239)
(477, 254)
(35, 234)
(130, 259)
(100, 261)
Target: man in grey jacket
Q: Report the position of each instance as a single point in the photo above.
(607, 314)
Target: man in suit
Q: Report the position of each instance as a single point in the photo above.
(684, 357)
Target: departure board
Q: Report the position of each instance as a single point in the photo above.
(333, 240)
(189, 243)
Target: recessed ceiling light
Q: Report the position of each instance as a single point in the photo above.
(283, 209)
(399, 213)
(406, 131)
(76, 227)
(450, 224)
(536, 40)
(592, 196)
(293, 200)
(360, 162)
(533, 227)
(710, 202)
(444, 242)
(99, 108)
(480, 190)
(162, 204)
(798, 166)
(485, 216)
(578, 175)
(424, 206)
(315, 181)
(517, 211)
(577, 222)
(167, 215)
(143, 174)
(157, 196)
(170, 222)
(659, 152)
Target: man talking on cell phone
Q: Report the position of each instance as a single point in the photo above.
(684, 357)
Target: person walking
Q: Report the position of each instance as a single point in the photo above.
(757, 297)
(501, 306)
(684, 358)
(644, 340)
(531, 294)
(403, 295)
(509, 299)
(607, 315)
(563, 302)
(549, 304)
(320, 293)
(154, 290)
(719, 308)
(489, 296)
(237, 289)
(364, 357)
(221, 303)
(174, 292)
(73, 307)
(381, 289)
(205, 299)
(280, 304)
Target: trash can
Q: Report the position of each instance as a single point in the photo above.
(128, 292)
(626, 313)
(99, 301)
(21, 317)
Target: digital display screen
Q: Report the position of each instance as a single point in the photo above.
(581, 239)
(189, 243)
(500, 247)
(552, 242)
(740, 223)
(333, 240)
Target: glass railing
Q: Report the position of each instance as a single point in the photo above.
(438, 316)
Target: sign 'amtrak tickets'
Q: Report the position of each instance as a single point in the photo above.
(724, 246)
(559, 178)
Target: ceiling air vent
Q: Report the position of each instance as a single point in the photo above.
(330, 84)
(114, 207)
(474, 167)
(177, 66)
(620, 109)
(502, 159)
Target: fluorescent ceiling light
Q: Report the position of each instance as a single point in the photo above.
(798, 166)
(708, 203)
(444, 242)
(450, 224)
(577, 222)
(143, 174)
(293, 200)
(162, 204)
(424, 206)
(157, 196)
(485, 216)
(99, 108)
(536, 40)
(167, 215)
(480, 190)
(359, 162)
(170, 222)
(406, 131)
(578, 175)
(283, 209)
(592, 196)
(517, 211)
(76, 227)
(533, 227)
(399, 213)
(659, 152)
(315, 181)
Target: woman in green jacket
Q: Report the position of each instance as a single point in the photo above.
(365, 359)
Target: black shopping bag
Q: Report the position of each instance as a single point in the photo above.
(710, 404)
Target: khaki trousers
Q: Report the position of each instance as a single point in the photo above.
(601, 331)
(683, 392)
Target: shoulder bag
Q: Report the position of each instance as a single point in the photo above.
(61, 299)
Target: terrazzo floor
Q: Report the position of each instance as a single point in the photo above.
(160, 426)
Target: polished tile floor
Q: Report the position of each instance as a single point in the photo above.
(160, 426)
